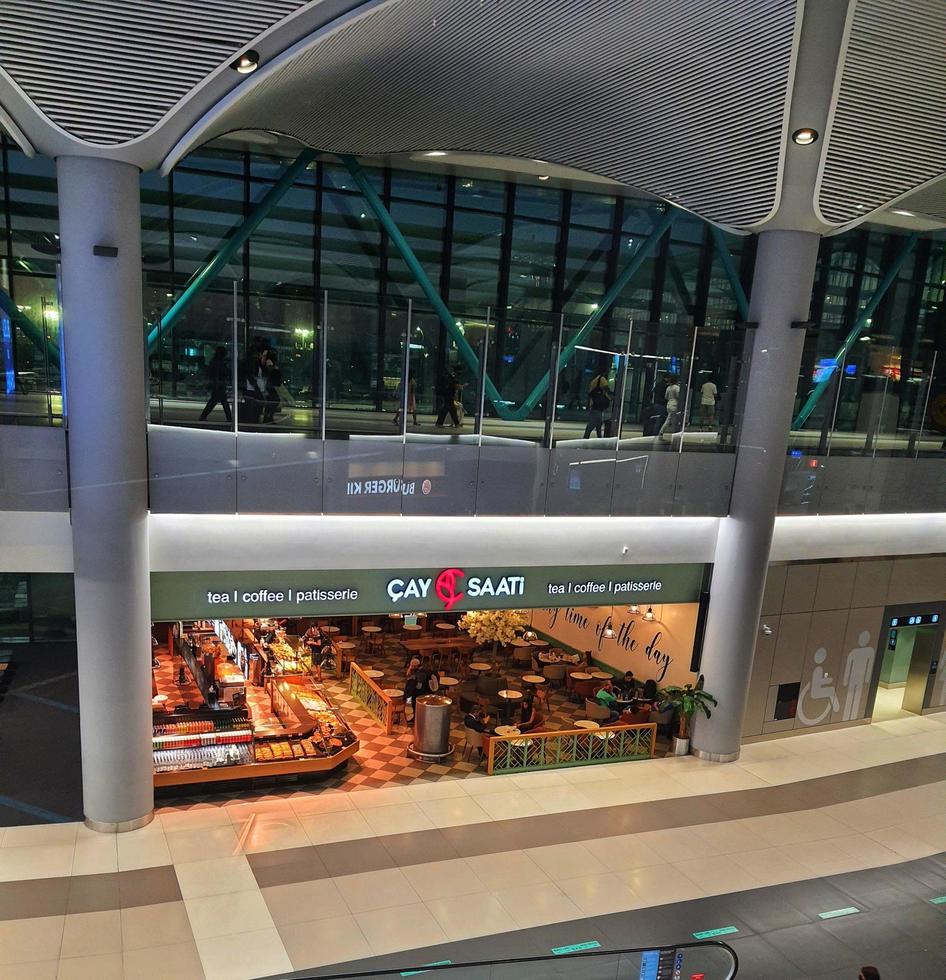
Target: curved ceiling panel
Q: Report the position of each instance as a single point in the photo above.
(106, 71)
(686, 101)
(888, 134)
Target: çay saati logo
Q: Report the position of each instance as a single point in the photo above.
(447, 583)
(446, 587)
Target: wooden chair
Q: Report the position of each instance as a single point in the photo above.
(595, 711)
(554, 674)
(472, 740)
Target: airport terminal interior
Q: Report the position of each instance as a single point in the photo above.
(473, 490)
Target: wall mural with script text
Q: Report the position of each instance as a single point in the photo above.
(661, 649)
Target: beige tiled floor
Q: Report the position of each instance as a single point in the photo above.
(226, 926)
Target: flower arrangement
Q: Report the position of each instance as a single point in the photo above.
(493, 625)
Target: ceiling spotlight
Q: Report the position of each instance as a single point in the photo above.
(649, 616)
(905, 214)
(247, 63)
(767, 630)
(435, 153)
(543, 176)
(805, 136)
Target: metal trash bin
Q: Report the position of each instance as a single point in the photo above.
(432, 728)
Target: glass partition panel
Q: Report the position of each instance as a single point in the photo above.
(353, 377)
(30, 350)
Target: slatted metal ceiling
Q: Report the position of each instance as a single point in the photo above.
(889, 129)
(106, 71)
(683, 100)
(930, 201)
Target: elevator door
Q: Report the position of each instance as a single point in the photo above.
(921, 670)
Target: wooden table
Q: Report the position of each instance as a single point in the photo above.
(580, 675)
(375, 675)
(538, 643)
(445, 626)
(345, 645)
(331, 629)
(480, 668)
(600, 675)
(448, 682)
(587, 724)
(370, 629)
(511, 695)
(534, 679)
(395, 693)
(412, 628)
(507, 730)
(426, 644)
(520, 643)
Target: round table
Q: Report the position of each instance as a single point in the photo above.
(370, 629)
(395, 693)
(538, 643)
(480, 668)
(448, 682)
(587, 724)
(445, 626)
(159, 699)
(330, 629)
(375, 675)
(534, 679)
(346, 645)
(520, 643)
(600, 675)
(510, 695)
(412, 628)
(580, 675)
(507, 730)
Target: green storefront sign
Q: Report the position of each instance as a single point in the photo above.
(221, 594)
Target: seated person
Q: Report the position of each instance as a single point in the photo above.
(528, 716)
(649, 694)
(626, 686)
(606, 697)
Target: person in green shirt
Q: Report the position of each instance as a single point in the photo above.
(607, 698)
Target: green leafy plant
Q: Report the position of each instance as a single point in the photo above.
(687, 701)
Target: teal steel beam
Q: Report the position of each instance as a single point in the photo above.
(449, 322)
(231, 245)
(29, 330)
(860, 323)
(722, 250)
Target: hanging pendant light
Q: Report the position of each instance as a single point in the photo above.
(608, 632)
(634, 610)
(529, 635)
(649, 616)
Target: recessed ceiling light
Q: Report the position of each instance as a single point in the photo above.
(247, 62)
(805, 136)
(543, 176)
(905, 214)
(865, 338)
(435, 153)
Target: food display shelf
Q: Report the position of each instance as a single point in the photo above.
(201, 758)
(202, 738)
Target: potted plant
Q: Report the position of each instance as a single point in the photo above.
(493, 625)
(686, 701)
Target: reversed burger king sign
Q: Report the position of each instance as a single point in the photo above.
(452, 584)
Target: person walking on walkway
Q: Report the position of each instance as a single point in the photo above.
(599, 401)
(446, 396)
(218, 375)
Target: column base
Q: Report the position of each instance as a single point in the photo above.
(714, 756)
(122, 827)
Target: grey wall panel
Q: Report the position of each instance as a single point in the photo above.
(757, 699)
(891, 486)
(801, 487)
(917, 580)
(644, 483)
(581, 481)
(819, 699)
(801, 583)
(278, 473)
(33, 468)
(512, 480)
(704, 483)
(835, 585)
(871, 583)
(843, 482)
(928, 485)
(439, 479)
(774, 589)
(363, 476)
(790, 648)
(191, 471)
